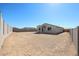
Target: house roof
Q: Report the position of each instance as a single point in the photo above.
(51, 25)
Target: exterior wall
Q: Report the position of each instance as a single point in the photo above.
(49, 31)
(57, 30)
(75, 38)
(4, 31)
(40, 29)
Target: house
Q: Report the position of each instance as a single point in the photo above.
(50, 29)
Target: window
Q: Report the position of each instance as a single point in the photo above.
(39, 28)
(49, 28)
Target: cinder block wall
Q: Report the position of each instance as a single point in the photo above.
(75, 38)
(5, 31)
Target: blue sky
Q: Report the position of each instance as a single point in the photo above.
(31, 15)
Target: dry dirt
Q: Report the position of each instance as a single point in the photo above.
(29, 43)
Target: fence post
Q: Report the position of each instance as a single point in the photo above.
(78, 40)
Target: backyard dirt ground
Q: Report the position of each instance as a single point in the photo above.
(31, 44)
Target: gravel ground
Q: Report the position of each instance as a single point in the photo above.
(31, 44)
